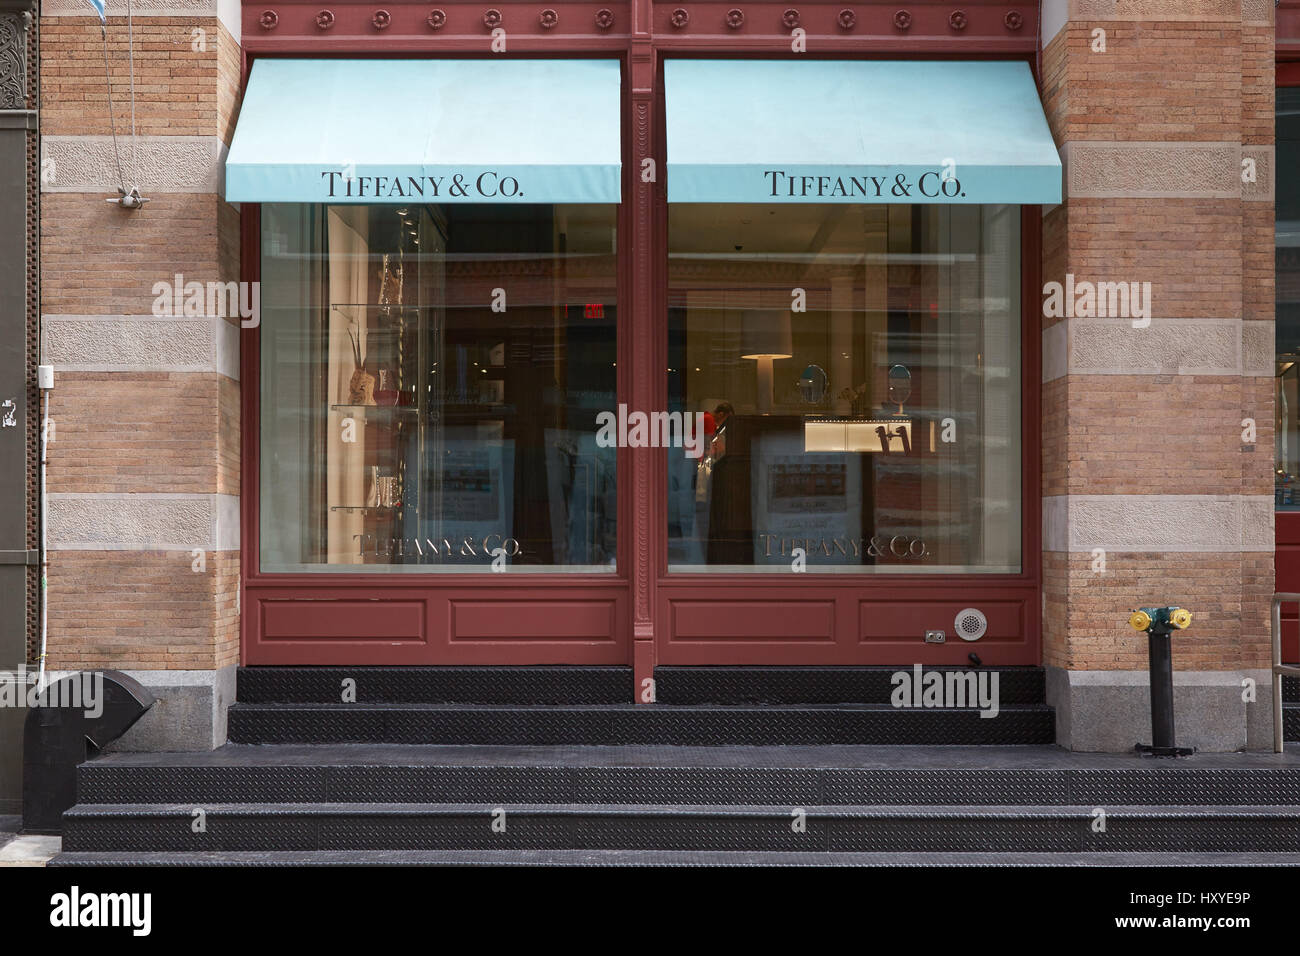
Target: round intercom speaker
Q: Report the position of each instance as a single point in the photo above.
(970, 624)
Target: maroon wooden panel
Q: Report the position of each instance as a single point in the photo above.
(435, 622)
(329, 619)
(1286, 531)
(1287, 567)
(319, 625)
(1287, 26)
(785, 621)
(889, 620)
(754, 624)
(776, 620)
(501, 619)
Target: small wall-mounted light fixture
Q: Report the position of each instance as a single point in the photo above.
(129, 199)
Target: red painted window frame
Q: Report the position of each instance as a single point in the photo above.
(642, 587)
(461, 589)
(757, 593)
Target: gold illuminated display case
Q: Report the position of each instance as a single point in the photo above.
(455, 425)
(384, 335)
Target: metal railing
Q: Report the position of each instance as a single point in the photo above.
(1280, 670)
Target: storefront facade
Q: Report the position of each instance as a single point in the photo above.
(831, 228)
(899, 315)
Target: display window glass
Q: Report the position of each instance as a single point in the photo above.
(858, 370)
(1286, 494)
(430, 381)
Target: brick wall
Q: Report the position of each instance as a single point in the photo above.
(1144, 460)
(144, 468)
(152, 611)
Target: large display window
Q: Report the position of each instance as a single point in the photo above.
(1287, 391)
(430, 381)
(859, 370)
(818, 362)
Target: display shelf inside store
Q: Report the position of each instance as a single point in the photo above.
(375, 306)
(388, 409)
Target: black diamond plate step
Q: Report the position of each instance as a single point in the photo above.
(1291, 689)
(634, 724)
(145, 827)
(437, 685)
(674, 805)
(822, 685)
(734, 858)
(664, 775)
(1291, 708)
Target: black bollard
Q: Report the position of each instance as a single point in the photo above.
(1160, 653)
(1159, 623)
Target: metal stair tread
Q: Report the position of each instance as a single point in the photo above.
(1118, 858)
(782, 811)
(618, 708)
(815, 757)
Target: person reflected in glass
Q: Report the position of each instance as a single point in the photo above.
(718, 443)
(730, 537)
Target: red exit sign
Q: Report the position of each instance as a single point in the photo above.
(593, 310)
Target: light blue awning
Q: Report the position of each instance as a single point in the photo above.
(895, 131)
(445, 131)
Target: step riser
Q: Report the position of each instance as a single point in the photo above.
(649, 726)
(604, 685)
(590, 831)
(688, 786)
(821, 685)
(1291, 708)
(437, 685)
